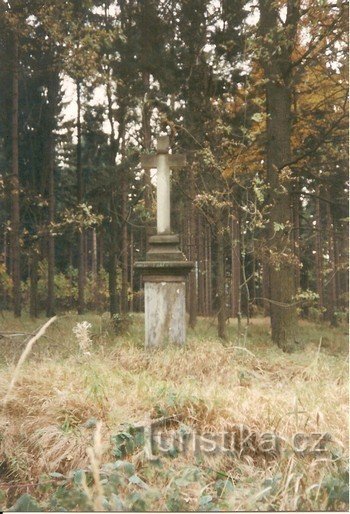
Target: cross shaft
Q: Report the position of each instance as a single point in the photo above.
(163, 162)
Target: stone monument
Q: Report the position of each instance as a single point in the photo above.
(165, 269)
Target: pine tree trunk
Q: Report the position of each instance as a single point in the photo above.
(15, 207)
(94, 254)
(210, 282)
(235, 266)
(50, 306)
(319, 253)
(220, 282)
(284, 319)
(6, 267)
(112, 262)
(131, 303)
(100, 269)
(125, 252)
(125, 265)
(266, 287)
(337, 260)
(80, 193)
(343, 275)
(201, 266)
(146, 131)
(49, 161)
(206, 275)
(253, 280)
(296, 238)
(33, 294)
(192, 280)
(49, 165)
(331, 286)
(124, 242)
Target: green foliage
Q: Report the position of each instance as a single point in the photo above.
(66, 289)
(124, 490)
(5, 283)
(122, 323)
(337, 489)
(26, 503)
(126, 442)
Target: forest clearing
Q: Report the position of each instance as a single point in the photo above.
(62, 391)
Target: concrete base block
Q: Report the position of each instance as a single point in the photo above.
(165, 313)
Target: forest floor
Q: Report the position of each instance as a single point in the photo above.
(285, 417)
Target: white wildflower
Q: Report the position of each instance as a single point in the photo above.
(82, 333)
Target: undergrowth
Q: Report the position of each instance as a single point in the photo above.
(75, 433)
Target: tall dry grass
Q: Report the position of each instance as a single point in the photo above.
(50, 415)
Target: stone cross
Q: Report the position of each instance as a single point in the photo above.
(165, 269)
(163, 162)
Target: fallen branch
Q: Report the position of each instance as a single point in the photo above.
(23, 357)
(14, 334)
(244, 349)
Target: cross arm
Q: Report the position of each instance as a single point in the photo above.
(174, 161)
(148, 161)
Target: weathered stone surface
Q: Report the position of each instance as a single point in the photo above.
(164, 247)
(165, 239)
(170, 268)
(165, 320)
(163, 161)
(165, 269)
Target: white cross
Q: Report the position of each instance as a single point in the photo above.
(163, 161)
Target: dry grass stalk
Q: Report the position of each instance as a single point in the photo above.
(23, 357)
(207, 387)
(95, 457)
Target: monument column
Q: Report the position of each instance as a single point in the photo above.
(165, 269)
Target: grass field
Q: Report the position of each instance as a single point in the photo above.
(70, 431)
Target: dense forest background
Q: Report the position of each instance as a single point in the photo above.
(255, 93)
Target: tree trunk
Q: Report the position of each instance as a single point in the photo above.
(112, 262)
(94, 254)
(113, 236)
(15, 208)
(337, 266)
(201, 266)
(33, 298)
(6, 268)
(319, 253)
(146, 130)
(147, 140)
(220, 282)
(331, 282)
(296, 239)
(124, 233)
(193, 256)
(209, 278)
(100, 269)
(131, 303)
(235, 267)
(266, 286)
(50, 307)
(80, 195)
(49, 162)
(208, 274)
(278, 107)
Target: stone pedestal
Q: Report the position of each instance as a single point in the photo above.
(165, 313)
(164, 275)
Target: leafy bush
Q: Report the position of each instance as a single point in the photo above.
(122, 323)
(5, 287)
(66, 289)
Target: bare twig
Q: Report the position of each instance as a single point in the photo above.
(23, 357)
